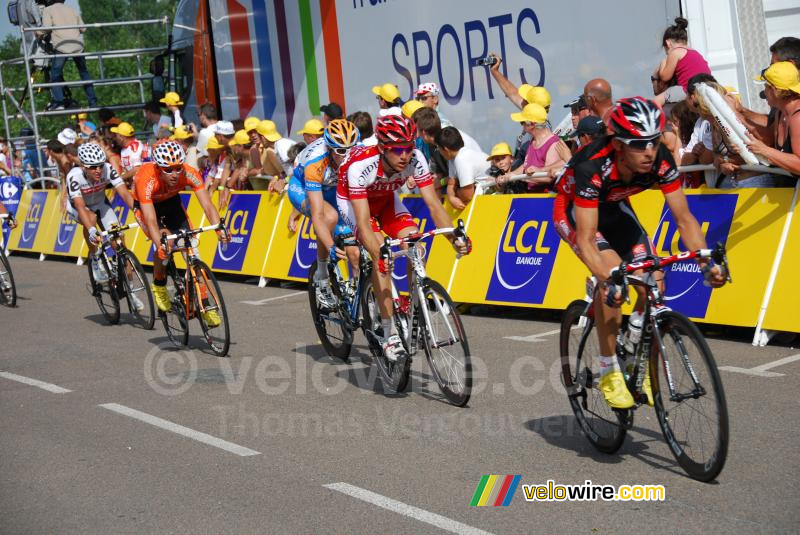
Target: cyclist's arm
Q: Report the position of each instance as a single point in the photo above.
(151, 228)
(84, 215)
(123, 191)
(317, 204)
(435, 207)
(369, 239)
(127, 176)
(586, 219)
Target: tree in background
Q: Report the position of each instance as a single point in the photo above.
(100, 39)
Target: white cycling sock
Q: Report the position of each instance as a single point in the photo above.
(606, 364)
(322, 270)
(389, 328)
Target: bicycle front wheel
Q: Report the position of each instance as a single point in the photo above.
(105, 293)
(211, 309)
(8, 290)
(333, 327)
(691, 408)
(578, 344)
(175, 322)
(137, 290)
(445, 344)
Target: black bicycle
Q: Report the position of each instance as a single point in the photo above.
(688, 396)
(8, 290)
(126, 279)
(194, 293)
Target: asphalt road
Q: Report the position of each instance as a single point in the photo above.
(280, 438)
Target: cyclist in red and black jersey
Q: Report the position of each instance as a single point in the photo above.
(593, 214)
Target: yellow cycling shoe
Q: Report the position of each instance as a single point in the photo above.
(613, 387)
(161, 296)
(646, 387)
(211, 318)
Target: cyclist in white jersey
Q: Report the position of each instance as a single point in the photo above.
(86, 185)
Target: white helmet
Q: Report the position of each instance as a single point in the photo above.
(91, 154)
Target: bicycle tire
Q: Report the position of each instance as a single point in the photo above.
(438, 300)
(8, 288)
(174, 320)
(340, 350)
(393, 377)
(601, 425)
(675, 329)
(218, 337)
(109, 305)
(147, 317)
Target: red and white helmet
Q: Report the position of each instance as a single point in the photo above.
(395, 130)
(636, 118)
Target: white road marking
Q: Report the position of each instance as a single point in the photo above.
(533, 337)
(268, 299)
(761, 371)
(180, 430)
(55, 389)
(404, 509)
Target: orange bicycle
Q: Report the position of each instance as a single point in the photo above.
(194, 293)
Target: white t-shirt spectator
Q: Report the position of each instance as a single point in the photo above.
(282, 147)
(371, 141)
(469, 141)
(468, 165)
(701, 133)
(133, 155)
(202, 139)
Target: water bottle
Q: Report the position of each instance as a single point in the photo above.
(634, 333)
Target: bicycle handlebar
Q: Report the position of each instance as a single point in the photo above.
(459, 232)
(718, 255)
(117, 230)
(191, 232)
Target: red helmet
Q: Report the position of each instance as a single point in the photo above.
(636, 118)
(395, 129)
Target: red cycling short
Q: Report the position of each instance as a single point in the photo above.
(389, 214)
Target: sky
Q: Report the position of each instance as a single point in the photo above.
(7, 29)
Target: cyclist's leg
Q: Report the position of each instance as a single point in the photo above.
(74, 215)
(396, 222)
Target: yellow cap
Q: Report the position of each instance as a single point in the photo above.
(213, 144)
(80, 116)
(782, 75)
(268, 129)
(239, 138)
(171, 99)
(410, 107)
(533, 113)
(535, 95)
(387, 92)
(501, 149)
(251, 123)
(313, 127)
(123, 129)
(180, 133)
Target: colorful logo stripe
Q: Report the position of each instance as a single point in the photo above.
(333, 56)
(286, 62)
(495, 490)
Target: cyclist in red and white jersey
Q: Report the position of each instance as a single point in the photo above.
(368, 200)
(593, 215)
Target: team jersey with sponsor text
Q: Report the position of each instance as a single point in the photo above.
(362, 174)
(313, 167)
(151, 189)
(591, 176)
(93, 193)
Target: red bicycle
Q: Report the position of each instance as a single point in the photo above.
(688, 396)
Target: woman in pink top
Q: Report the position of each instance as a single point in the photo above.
(672, 76)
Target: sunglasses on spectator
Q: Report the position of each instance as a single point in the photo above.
(172, 170)
(399, 151)
(423, 98)
(641, 144)
(339, 151)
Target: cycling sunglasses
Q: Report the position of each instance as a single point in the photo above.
(94, 167)
(641, 144)
(339, 151)
(172, 170)
(399, 151)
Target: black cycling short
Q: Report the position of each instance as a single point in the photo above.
(618, 229)
(171, 215)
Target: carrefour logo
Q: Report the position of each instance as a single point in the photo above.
(66, 233)
(239, 221)
(525, 253)
(33, 217)
(684, 288)
(305, 252)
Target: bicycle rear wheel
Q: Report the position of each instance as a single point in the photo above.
(106, 294)
(445, 344)
(602, 425)
(134, 281)
(393, 376)
(211, 311)
(334, 327)
(175, 323)
(693, 416)
(8, 290)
